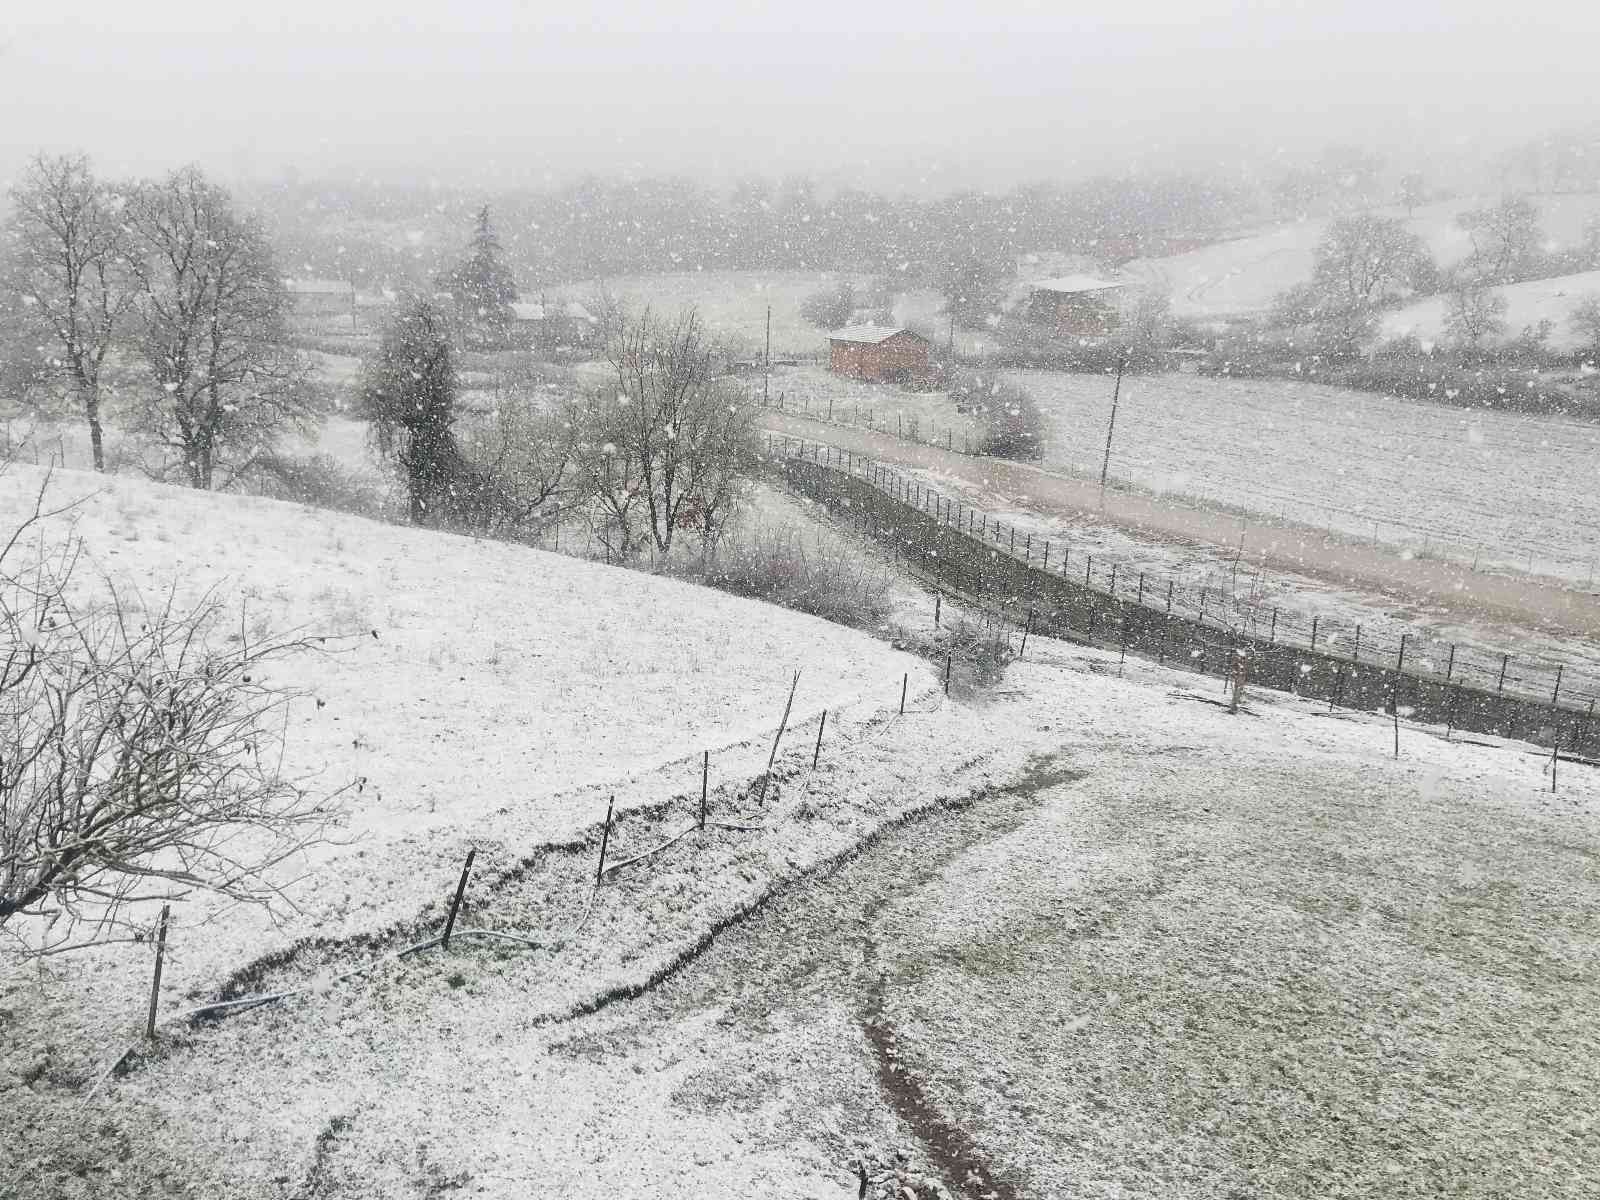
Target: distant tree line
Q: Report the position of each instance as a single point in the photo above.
(597, 228)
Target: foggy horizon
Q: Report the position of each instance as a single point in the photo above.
(494, 100)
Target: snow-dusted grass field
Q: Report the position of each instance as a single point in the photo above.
(1526, 304)
(1243, 274)
(1214, 968)
(734, 304)
(489, 690)
(1426, 478)
(1237, 584)
(1213, 941)
(1495, 488)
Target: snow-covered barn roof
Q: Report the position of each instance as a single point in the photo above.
(1069, 284)
(869, 335)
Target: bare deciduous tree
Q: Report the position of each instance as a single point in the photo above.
(68, 262)
(140, 757)
(668, 444)
(1473, 314)
(516, 460)
(213, 329)
(1505, 240)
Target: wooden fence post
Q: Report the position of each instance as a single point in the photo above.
(936, 600)
(155, 982)
(949, 659)
(705, 779)
(605, 840)
(904, 680)
(782, 725)
(817, 753)
(461, 890)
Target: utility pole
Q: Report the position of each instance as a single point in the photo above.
(1111, 425)
(766, 361)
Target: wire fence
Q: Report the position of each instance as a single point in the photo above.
(1050, 586)
(888, 413)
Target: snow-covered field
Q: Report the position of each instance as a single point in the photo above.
(1526, 304)
(1494, 488)
(489, 691)
(1243, 274)
(734, 304)
(1250, 594)
(1293, 837)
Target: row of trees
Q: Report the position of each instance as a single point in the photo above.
(160, 282)
(662, 448)
(1366, 262)
(597, 228)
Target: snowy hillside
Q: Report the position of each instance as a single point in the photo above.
(490, 690)
(1526, 304)
(1244, 274)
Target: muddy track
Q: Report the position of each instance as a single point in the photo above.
(816, 944)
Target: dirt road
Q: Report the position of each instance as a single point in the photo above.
(1541, 605)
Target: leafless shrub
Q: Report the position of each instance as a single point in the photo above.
(984, 653)
(819, 576)
(139, 759)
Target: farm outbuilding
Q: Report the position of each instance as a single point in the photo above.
(321, 297)
(1076, 305)
(551, 324)
(880, 353)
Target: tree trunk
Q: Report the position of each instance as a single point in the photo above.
(91, 410)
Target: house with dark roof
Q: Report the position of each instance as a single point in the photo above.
(880, 353)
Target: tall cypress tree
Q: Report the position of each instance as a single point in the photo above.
(483, 289)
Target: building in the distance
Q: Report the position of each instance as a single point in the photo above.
(881, 353)
(1076, 305)
(321, 297)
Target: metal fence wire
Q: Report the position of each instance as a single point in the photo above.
(1059, 592)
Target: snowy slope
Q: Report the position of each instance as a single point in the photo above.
(1244, 274)
(1526, 304)
(491, 690)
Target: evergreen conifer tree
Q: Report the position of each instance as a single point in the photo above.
(483, 289)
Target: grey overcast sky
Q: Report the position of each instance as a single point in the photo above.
(965, 93)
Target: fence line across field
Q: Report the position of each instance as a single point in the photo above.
(1423, 540)
(969, 551)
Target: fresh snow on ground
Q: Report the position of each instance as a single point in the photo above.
(1526, 304)
(1243, 274)
(485, 690)
(1491, 487)
(469, 1072)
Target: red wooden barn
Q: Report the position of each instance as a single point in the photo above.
(880, 353)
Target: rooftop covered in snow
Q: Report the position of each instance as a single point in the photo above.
(1072, 284)
(869, 335)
